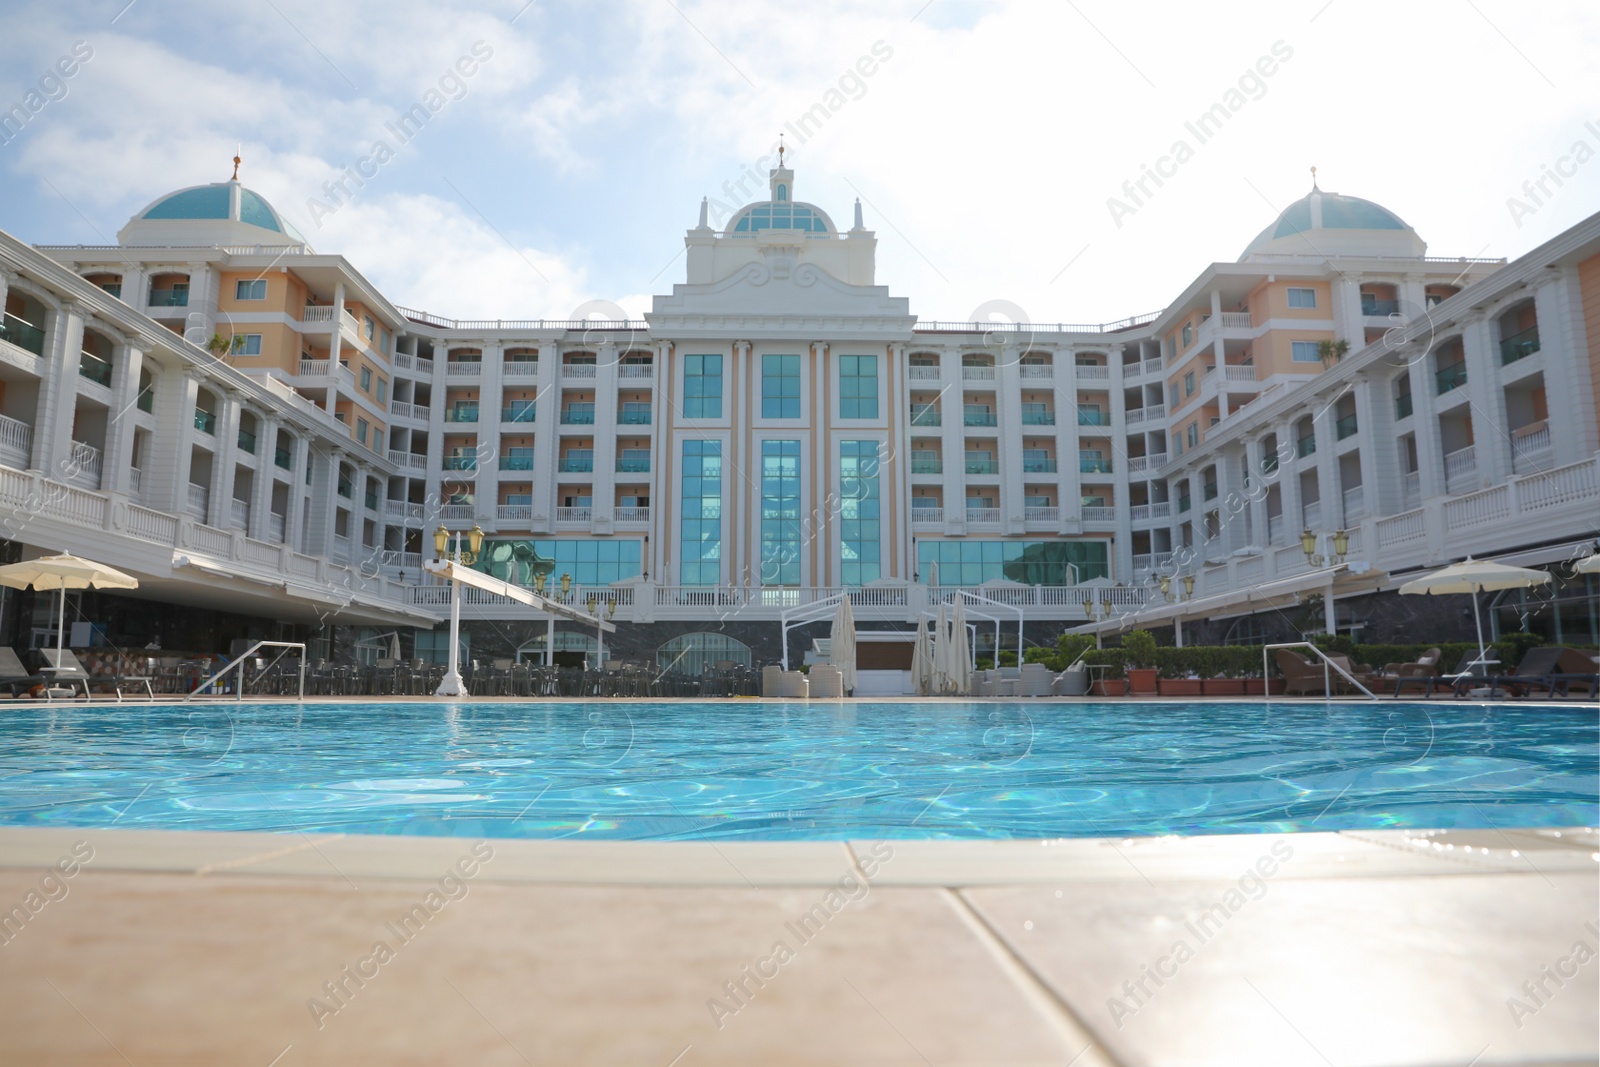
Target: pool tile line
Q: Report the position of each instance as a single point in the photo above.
(1030, 985)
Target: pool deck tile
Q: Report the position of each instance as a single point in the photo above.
(1359, 973)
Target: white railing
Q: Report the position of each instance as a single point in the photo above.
(923, 374)
(16, 441)
(341, 548)
(1355, 507)
(636, 371)
(277, 526)
(1240, 374)
(409, 411)
(1153, 462)
(239, 514)
(210, 540)
(315, 368)
(1400, 529)
(977, 374)
(402, 509)
(1565, 485)
(927, 516)
(1312, 513)
(258, 552)
(199, 501)
(322, 313)
(1475, 509)
(408, 459)
(1094, 373)
(463, 368)
(135, 480)
(1095, 513)
(514, 512)
(1161, 509)
(519, 369)
(401, 360)
(574, 514)
(83, 465)
(577, 370)
(457, 512)
(1151, 366)
(983, 514)
(1036, 370)
(1236, 320)
(1530, 452)
(424, 365)
(151, 525)
(631, 516)
(1460, 467)
(1044, 515)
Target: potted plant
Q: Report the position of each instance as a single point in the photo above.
(1139, 650)
(1331, 352)
(225, 346)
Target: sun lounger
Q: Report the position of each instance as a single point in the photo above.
(1551, 668)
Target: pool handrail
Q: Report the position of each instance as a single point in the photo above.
(238, 689)
(1327, 663)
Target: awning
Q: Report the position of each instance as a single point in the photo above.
(1278, 593)
(488, 583)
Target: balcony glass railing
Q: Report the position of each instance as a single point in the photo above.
(516, 463)
(1270, 463)
(630, 465)
(1093, 418)
(169, 298)
(1210, 490)
(1370, 306)
(578, 415)
(22, 334)
(517, 412)
(1451, 377)
(1094, 466)
(204, 421)
(1306, 446)
(461, 463)
(281, 458)
(574, 463)
(94, 368)
(1183, 503)
(978, 418)
(345, 489)
(371, 501)
(1038, 418)
(462, 413)
(247, 442)
(924, 417)
(927, 466)
(1038, 466)
(982, 466)
(1402, 406)
(146, 401)
(1519, 345)
(1345, 427)
(114, 288)
(634, 417)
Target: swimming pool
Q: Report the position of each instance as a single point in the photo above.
(795, 771)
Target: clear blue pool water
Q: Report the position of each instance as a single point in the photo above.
(791, 771)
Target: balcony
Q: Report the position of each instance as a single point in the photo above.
(978, 418)
(583, 515)
(514, 512)
(516, 463)
(1461, 470)
(24, 335)
(408, 459)
(983, 514)
(463, 368)
(1145, 464)
(927, 466)
(169, 298)
(1135, 416)
(1097, 513)
(633, 466)
(1145, 512)
(519, 369)
(646, 371)
(1183, 504)
(409, 411)
(145, 401)
(977, 373)
(403, 509)
(1092, 372)
(282, 458)
(205, 421)
(1402, 406)
(1530, 448)
(83, 465)
(239, 514)
(1036, 370)
(1306, 445)
(927, 516)
(16, 443)
(462, 413)
(1208, 491)
(94, 368)
(577, 370)
(982, 466)
(634, 418)
(1519, 345)
(1038, 466)
(457, 512)
(924, 417)
(1041, 515)
(345, 489)
(921, 373)
(1039, 418)
(1345, 427)
(1311, 515)
(199, 501)
(1452, 377)
(1093, 418)
(1412, 487)
(1355, 505)
(276, 527)
(518, 412)
(578, 415)
(461, 462)
(1094, 466)
(631, 516)
(1374, 307)
(576, 464)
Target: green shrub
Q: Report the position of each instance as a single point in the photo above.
(1140, 648)
(1008, 658)
(985, 663)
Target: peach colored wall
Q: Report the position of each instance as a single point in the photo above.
(1589, 299)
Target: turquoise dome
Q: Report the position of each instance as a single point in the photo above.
(220, 202)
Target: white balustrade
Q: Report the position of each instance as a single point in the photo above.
(199, 501)
(16, 442)
(631, 516)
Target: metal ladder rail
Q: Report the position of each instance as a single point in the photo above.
(239, 663)
(1327, 664)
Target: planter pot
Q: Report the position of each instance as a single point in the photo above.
(1257, 687)
(1110, 687)
(1141, 682)
(1222, 687)
(1180, 687)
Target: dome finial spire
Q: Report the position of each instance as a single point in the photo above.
(236, 161)
(780, 148)
(1313, 177)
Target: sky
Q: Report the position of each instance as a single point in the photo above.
(996, 146)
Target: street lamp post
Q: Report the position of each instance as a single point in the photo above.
(452, 685)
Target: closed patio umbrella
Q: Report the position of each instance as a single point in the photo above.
(939, 666)
(64, 572)
(960, 650)
(921, 663)
(1474, 576)
(1588, 565)
(842, 643)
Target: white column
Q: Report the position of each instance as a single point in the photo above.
(294, 503)
(166, 470)
(1490, 436)
(1069, 479)
(1348, 322)
(1327, 465)
(225, 458)
(266, 468)
(1569, 390)
(606, 420)
(1289, 479)
(547, 438)
(1425, 423)
(1380, 484)
(119, 427)
(1117, 452)
(58, 390)
(952, 443)
(1232, 513)
(490, 403)
(1009, 440)
(1260, 486)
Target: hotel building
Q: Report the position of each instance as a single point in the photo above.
(253, 429)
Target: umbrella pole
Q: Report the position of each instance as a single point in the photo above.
(1477, 622)
(61, 624)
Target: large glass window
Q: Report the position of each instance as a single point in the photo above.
(696, 653)
(1028, 562)
(860, 513)
(1302, 298)
(858, 387)
(780, 513)
(701, 531)
(590, 562)
(780, 387)
(702, 387)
